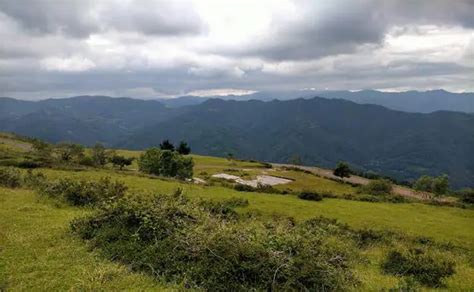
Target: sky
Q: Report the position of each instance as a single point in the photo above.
(149, 49)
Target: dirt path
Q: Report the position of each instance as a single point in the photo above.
(397, 189)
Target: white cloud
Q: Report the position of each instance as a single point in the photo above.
(73, 64)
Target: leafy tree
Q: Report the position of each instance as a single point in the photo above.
(69, 152)
(230, 156)
(183, 148)
(342, 170)
(440, 185)
(166, 163)
(99, 155)
(437, 185)
(121, 161)
(166, 145)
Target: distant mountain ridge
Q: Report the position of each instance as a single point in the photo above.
(321, 131)
(408, 101)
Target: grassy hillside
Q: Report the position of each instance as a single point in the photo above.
(39, 252)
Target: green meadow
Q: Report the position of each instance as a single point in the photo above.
(38, 251)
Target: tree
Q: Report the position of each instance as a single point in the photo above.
(437, 185)
(440, 185)
(166, 145)
(183, 148)
(121, 161)
(99, 155)
(342, 170)
(68, 152)
(166, 163)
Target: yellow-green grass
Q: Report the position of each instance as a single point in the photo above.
(205, 166)
(445, 224)
(38, 253)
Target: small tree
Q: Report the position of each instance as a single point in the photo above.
(166, 163)
(99, 155)
(166, 145)
(183, 148)
(69, 152)
(440, 185)
(342, 170)
(121, 161)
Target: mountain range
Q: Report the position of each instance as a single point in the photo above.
(408, 101)
(320, 131)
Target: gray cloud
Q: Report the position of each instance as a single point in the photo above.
(80, 18)
(55, 48)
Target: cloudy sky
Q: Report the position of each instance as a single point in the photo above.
(60, 48)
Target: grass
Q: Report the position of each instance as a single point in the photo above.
(37, 252)
(441, 223)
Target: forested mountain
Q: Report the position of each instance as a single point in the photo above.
(408, 101)
(320, 131)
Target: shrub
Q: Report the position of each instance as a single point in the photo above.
(378, 187)
(426, 268)
(86, 161)
(34, 180)
(29, 164)
(467, 196)
(183, 242)
(310, 196)
(81, 193)
(437, 185)
(224, 208)
(244, 188)
(10, 177)
(166, 163)
(99, 155)
(121, 161)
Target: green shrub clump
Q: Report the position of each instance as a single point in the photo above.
(10, 177)
(183, 241)
(34, 180)
(166, 163)
(82, 192)
(426, 268)
(310, 196)
(378, 187)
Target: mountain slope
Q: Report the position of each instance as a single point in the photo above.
(323, 131)
(84, 119)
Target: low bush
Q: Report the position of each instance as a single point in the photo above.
(261, 188)
(82, 192)
(426, 268)
(310, 196)
(467, 196)
(224, 208)
(244, 188)
(378, 187)
(29, 164)
(34, 180)
(10, 177)
(181, 241)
